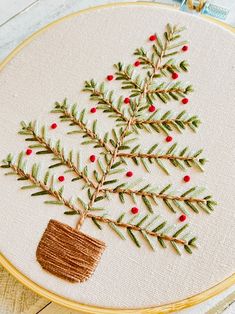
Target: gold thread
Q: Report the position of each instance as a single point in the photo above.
(136, 228)
(167, 121)
(197, 7)
(161, 196)
(154, 156)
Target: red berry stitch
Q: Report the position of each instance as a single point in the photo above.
(109, 77)
(61, 178)
(129, 174)
(28, 151)
(169, 138)
(92, 158)
(185, 48)
(135, 210)
(184, 101)
(54, 125)
(152, 37)
(182, 218)
(93, 110)
(127, 100)
(137, 63)
(187, 178)
(152, 108)
(174, 75)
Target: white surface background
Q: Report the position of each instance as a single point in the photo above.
(4, 26)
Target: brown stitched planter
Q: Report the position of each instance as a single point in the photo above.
(68, 253)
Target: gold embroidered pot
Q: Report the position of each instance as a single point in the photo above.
(68, 253)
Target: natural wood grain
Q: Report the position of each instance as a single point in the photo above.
(8, 11)
(55, 309)
(38, 307)
(14, 297)
(223, 305)
(39, 15)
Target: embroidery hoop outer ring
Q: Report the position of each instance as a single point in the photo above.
(83, 308)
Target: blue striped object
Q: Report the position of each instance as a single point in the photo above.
(216, 11)
(210, 9)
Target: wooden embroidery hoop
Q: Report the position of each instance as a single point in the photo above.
(93, 309)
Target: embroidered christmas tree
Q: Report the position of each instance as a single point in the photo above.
(153, 78)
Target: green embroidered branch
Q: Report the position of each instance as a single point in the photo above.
(129, 79)
(144, 94)
(167, 123)
(46, 187)
(171, 66)
(47, 147)
(90, 86)
(106, 172)
(177, 159)
(168, 91)
(164, 48)
(71, 115)
(133, 81)
(174, 202)
(129, 119)
(105, 100)
(59, 154)
(159, 231)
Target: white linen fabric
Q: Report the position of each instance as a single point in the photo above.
(54, 66)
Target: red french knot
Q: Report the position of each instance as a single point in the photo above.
(61, 178)
(184, 101)
(93, 110)
(127, 100)
(152, 37)
(129, 174)
(187, 178)
(169, 138)
(137, 63)
(182, 218)
(152, 108)
(92, 158)
(135, 210)
(185, 48)
(54, 126)
(174, 75)
(28, 151)
(109, 77)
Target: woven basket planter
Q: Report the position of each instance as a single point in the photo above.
(68, 253)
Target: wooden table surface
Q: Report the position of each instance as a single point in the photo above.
(19, 19)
